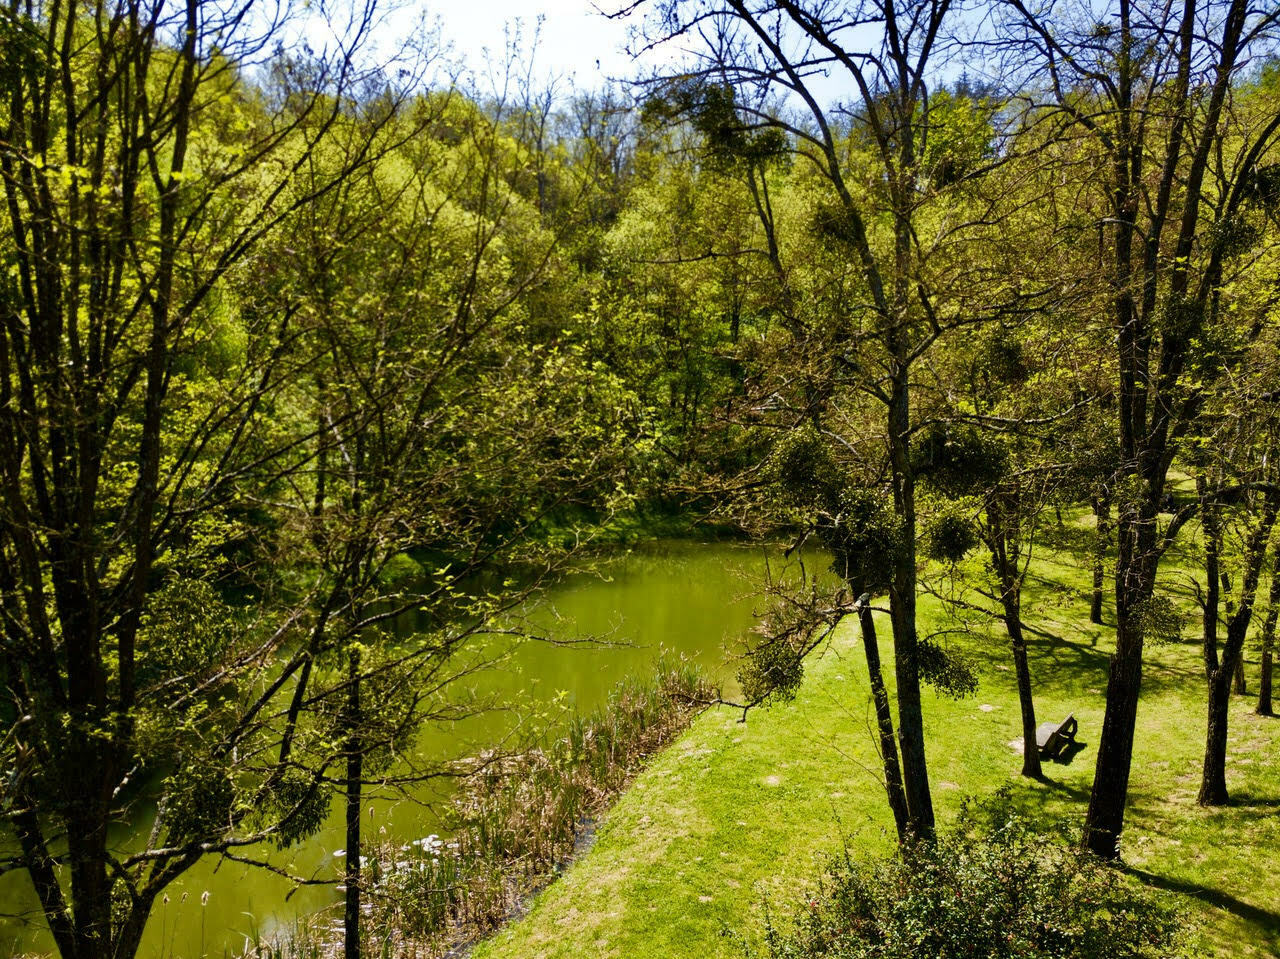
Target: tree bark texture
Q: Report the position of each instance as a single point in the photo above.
(1102, 511)
(1264, 707)
(1220, 673)
(915, 769)
(884, 720)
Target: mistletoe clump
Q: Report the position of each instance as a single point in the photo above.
(866, 539)
(802, 466)
(959, 460)
(949, 535)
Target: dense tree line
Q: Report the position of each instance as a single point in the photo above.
(295, 344)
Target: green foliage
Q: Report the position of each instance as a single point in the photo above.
(866, 539)
(949, 533)
(802, 466)
(1159, 619)
(295, 805)
(772, 671)
(947, 670)
(993, 888)
(185, 631)
(959, 136)
(1000, 358)
(729, 139)
(1235, 235)
(958, 459)
(199, 799)
(1263, 186)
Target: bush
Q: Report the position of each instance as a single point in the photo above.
(990, 889)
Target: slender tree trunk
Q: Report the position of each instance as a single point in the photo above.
(1101, 510)
(902, 597)
(1030, 751)
(44, 877)
(1213, 782)
(884, 720)
(355, 776)
(1212, 565)
(1239, 685)
(1268, 644)
(1002, 544)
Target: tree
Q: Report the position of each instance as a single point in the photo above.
(876, 186)
(994, 498)
(122, 224)
(1264, 707)
(1238, 498)
(1143, 94)
(263, 345)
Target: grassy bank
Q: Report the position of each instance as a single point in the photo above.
(733, 815)
(510, 827)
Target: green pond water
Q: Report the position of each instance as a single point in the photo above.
(689, 598)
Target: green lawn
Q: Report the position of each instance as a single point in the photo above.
(733, 815)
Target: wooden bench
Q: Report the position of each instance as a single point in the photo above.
(1053, 738)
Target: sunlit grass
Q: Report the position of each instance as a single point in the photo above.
(733, 815)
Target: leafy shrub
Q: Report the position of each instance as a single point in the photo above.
(989, 890)
(772, 670)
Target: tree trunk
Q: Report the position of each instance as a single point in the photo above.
(1136, 564)
(90, 887)
(355, 776)
(1238, 683)
(1030, 751)
(1268, 645)
(1105, 817)
(1003, 545)
(884, 720)
(902, 602)
(1101, 510)
(1212, 567)
(1213, 782)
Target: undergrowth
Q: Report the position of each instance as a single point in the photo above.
(512, 826)
(996, 886)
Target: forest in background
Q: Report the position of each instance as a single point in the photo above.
(295, 342)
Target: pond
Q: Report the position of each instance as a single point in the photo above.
(689, 598)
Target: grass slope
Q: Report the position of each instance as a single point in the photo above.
(734, 815)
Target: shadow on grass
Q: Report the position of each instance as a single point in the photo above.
(1059, 661)
(1055, 660)
(1249, 801)
(1073, 749)
(1265, 918)
(1073, 791)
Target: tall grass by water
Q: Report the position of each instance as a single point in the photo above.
(512, 826)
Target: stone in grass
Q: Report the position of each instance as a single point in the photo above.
(986, 707)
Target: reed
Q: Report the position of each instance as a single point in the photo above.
(512, 826)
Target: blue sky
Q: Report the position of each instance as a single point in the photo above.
(573, 40)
